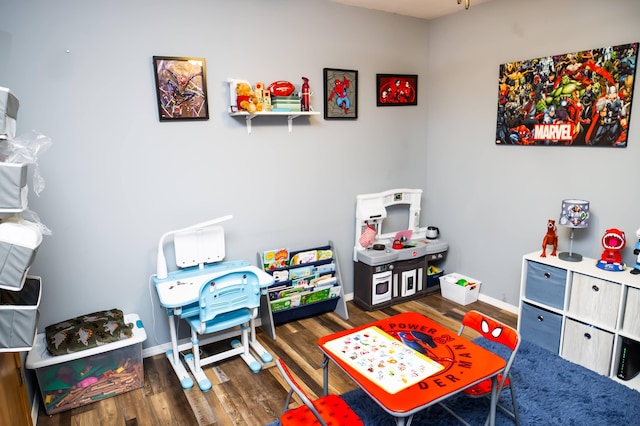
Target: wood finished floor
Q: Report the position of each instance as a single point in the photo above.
(239, 397)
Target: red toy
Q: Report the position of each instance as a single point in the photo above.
(550, 239)
(281, 88)
(613, 242)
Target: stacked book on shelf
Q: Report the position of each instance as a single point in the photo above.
(286, 103)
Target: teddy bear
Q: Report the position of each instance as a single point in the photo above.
(246, 99)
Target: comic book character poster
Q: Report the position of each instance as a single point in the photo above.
(575, 99)
(340, 94)
(396, 89)
(181, 88)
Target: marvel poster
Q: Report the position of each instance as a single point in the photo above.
(576, 99)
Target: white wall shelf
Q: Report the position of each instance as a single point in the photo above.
(579, 311)
(291, 115)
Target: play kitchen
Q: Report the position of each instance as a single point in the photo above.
(393, 254)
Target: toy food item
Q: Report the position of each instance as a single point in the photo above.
(281, 88)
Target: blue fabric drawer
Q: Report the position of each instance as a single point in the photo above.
(546, 284)
(541, 327)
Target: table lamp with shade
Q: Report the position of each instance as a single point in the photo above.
(575, 214)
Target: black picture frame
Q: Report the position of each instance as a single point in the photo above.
(181, 88)
(396, 89)
(340, 94)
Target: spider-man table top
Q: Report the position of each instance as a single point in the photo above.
(464, 362)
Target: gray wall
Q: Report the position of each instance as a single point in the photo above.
(116, 178)
(493, 202)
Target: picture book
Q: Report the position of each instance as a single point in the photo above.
(274, 259)
(301, 272)
(304, 257)
(382, 359)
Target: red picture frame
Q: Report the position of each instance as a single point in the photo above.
(396, 89)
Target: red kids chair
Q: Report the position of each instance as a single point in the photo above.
(501, 333)
(329, 410)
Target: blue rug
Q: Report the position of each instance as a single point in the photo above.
(550, 391)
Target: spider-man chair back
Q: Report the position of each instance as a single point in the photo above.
(491, 329)
(495, 331)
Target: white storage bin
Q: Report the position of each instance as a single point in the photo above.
(79, 378)
(460, 294)
(19, 242)
(19, 316)
(13, 187)
(8, 113)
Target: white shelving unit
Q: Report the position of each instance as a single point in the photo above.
(580, 311)
(289, 114)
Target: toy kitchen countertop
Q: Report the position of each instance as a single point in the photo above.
(380, 254)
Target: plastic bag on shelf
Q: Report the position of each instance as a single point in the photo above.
(34, 219)
(26, 149)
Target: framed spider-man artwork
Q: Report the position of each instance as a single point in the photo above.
(574, 99)
(181, 88)
(396, 89)
(340, 94)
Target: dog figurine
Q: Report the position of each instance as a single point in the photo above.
(550, 239)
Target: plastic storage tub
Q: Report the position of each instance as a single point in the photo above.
(461, 294)
(19, 316)
(76, 379)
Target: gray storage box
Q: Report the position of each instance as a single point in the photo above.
(13, 187)
(19, 243)
(541, 327)
(546, 284)
(19, 316)
(8, 113)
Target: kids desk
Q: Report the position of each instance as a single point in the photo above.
(179, 294)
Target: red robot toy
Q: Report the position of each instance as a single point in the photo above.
(613, 242)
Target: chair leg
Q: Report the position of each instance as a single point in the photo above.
(516, 416)
(195, 350)
(193, 361)
(265, 356)
(454, 414)
(254, 365)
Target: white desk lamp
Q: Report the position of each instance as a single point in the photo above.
(161, 266)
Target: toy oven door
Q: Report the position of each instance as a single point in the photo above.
(381, 287)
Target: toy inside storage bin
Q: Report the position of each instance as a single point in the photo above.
(19, 316)
(433, 278)
(451, 288)
(76, 379)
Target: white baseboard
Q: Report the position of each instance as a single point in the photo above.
(498, 304)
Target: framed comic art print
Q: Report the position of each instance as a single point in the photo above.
(396, 89)
(582, 98)
(340, 94)
(181, 88)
